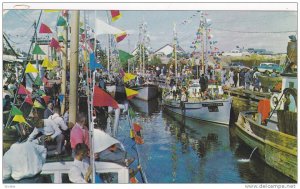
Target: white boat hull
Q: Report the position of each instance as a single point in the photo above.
(216, 111)
(147, 92)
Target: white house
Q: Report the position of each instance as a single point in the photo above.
(168, 49)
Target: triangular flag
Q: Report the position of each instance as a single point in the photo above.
(36, 104)
(136, 127)
(38, 81)
(40, 92)
(130, 93)
(124, 56)
(61, 97)
(45, 62)
(15, 111)
(93, 64)
(131, 113)
(128, 77)
(115, 15)
(46, 99)
(23, 90)
(101, 98)
(54, 43)
(44, 29)
(61, 38)
(28, 99)
(81, 30)
(120, 37)
(54, 64)
(19, 118)
(45, 80)
(61, 21)
(37, 50)
(31, 69)
(64, 13)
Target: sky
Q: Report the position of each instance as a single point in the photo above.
(249, 29)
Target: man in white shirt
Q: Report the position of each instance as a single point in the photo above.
(58, 119)
(50, 133)
(80, 170)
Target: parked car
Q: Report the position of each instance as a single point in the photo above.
(236, 52)
(235, 65)
(267, 66)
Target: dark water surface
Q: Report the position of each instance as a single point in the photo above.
(180, 150)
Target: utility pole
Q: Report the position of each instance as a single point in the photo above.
(74, 66)
(37, 56)
(64, 66)
(109, 44)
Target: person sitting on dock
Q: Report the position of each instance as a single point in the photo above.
(49, 111)
(50, 133)
(81, 170)
(79, 132)
(247, 79)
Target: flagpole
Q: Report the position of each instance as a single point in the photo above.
(108, 41)
(90, 108)
(64, 65)
(175, 53)
(74, 66)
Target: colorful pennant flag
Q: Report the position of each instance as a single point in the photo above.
(46, 99)
(65, 13)
(28, 99)
(15, 111)
(37, 50)
(120, 37)
(131, 113)
(31, 69)
(101, 98)
(124, 56)
(115, 15)
(38, 81)
(45, 80)
(19, 118)
(44, 29)
(37, 104)
(61, 98)
(45, 62)
(128, 77)
(130, 93)
(54, 43)
(61, 21)
(23, 90)
(41, 92)
(93, 64)
(137, 127)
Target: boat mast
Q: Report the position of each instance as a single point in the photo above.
(175, 49)
(108, 41)
(64, 65)
(74, 65)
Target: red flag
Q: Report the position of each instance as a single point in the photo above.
(54, 43)
(115, 15)
(46, 99)
(28, 99)
(23, 90)
(101, 98)
(136, 127)
(120, 37)
(45, 29)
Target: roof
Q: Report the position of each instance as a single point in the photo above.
(11, 58)
(179, 49)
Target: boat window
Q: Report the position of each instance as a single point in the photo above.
(48, 178)
(213, 109)
(106, 178)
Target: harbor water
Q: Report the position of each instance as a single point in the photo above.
(178, 150)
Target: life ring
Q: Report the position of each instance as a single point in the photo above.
(274, 101)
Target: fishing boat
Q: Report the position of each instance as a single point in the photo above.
(146, 91)
(216, 111)
(275, 140)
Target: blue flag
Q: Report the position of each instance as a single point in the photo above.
(93, 63)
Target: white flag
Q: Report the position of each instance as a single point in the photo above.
(104, 28)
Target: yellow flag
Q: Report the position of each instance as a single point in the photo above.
(36, 104)
(50, 66)
(51, 10)
(45, 62)
(31, 69)
(128, 77)
(19, 118)
(85, 56)
(54, 63)
(130, 93)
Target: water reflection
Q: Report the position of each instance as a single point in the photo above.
(178, 150)
(146, 107)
